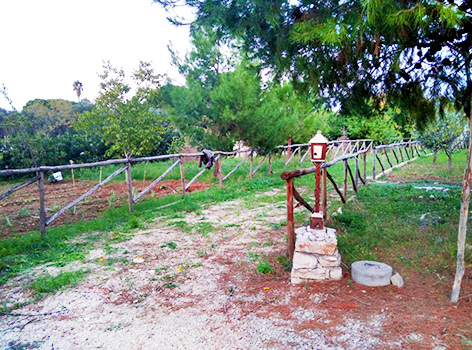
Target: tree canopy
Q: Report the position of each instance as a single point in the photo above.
(129, 123)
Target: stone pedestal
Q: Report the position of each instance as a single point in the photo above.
(316, 256)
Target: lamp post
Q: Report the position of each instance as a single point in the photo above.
(318, 148)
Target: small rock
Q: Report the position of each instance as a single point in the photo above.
(138, 260)
(336, 273)
(415, 337)
(397, 280)
(431, 197)
(96, 254)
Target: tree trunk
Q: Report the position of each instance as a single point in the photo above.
(435, 157)
(461, 236)
(449, 166)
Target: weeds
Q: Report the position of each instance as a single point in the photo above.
(52, 284)
(169, 244)
(264, 267)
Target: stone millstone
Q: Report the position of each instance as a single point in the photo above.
(371, 273)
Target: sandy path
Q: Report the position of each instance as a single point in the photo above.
(204, 294)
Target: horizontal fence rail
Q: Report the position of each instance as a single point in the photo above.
(338, 151)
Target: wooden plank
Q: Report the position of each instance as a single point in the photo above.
(104, 163)
(291, 156)
(42, 204)
(374, 160)
(337, 151)
(194, 179)
(360, 177)
(260, 164)
(148, 188)
(415, 147)
(406, 152)
(235, 168)
(388, 159)
(301, 200)
(220, 171)
(324, 194)
(85, 195)
(381, 165)
(395, 154)
(251, 164)
(357, 171)
(336, 188)
(345, 180)
(354, 185)
(18, 187)
(304, 156)
(182, 174)
(129, 184)
(290, 220)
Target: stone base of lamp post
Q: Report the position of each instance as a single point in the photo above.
(316, 256)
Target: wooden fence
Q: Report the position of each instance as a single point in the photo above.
(387, 156)
(343, 150)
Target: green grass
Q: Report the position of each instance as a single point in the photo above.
(426, 172)
(52, 284)
(405, 226)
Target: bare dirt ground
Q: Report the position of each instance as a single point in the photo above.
(22, 207)
(167, 289)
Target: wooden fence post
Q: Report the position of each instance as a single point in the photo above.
(270, 164)
(182, 175)
(374, 160)
(356, 177)
(365, 166)
(220, 172)
(130, 186)
(290, 223)
(325, 195)
(252, 164)
(42, 204)
(345, 180)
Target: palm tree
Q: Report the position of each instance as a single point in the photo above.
(78, 87)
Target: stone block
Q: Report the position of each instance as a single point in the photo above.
(296, 280)
(313, 274)
(301, 230)
(397, 280)
(335, 273)
(330, 260)
(304, 261)
(316, 247)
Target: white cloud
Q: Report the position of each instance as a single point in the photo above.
(49, 44)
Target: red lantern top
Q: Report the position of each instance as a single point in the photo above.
(318, 145)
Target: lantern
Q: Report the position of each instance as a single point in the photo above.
(318, 146)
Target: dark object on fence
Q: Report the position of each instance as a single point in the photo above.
(208, 158)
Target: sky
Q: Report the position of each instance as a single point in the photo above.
(46, 45)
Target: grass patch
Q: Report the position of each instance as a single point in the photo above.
(52, 284)
(264, 267)
(402, 226)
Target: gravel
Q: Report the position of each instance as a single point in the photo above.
(127, 306)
